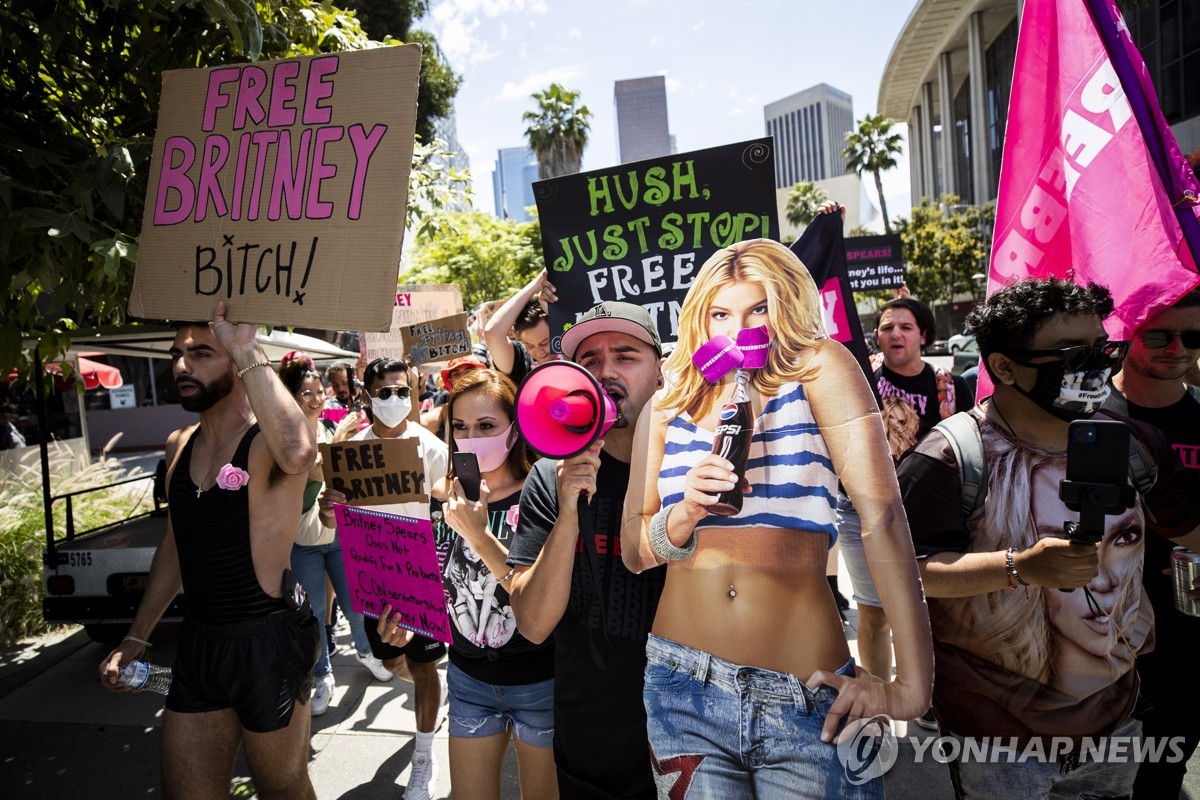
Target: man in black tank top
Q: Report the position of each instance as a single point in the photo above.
(249, 643)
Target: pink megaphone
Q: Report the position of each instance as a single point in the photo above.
(561, 409)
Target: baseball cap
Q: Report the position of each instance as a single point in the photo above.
(455, 364)
(612, 316)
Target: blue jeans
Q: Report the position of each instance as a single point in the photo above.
(731, 732)
(311, 565)
(479, 709)
(850, 536)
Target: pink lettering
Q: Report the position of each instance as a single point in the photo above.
(262, 140)
(174, 176)
(283, 91)
(214, 100)
(216, 153)
(319, 89)
(315, 207)
(1017, 255)
(287, 184)
(364, 145)
(249, 100)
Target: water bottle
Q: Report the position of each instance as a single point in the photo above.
(732, 441)
(146, 677)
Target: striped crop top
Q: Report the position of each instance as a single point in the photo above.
(794, 485)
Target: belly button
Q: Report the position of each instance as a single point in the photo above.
(732, 592)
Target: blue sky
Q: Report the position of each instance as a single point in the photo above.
(723, 61)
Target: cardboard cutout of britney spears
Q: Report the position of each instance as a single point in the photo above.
(747, 616)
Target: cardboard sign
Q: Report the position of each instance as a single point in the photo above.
(414, 303)
(639, 232)
(392, 560)
(375, 472)
(280, 188)
(874, 262)
(436, 341)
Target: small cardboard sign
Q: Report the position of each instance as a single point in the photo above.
(375, 472)
(874, 262)
(436, 341)
(392, 560)
(639, 232)
(414, 303)
(280, 187)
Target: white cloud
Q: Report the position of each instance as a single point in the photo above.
(537, 81)
(574, 33)
(736, 112)
(699, 24)
(455, 23)
(674, 84)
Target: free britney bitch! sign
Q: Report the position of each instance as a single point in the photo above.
(280, 187)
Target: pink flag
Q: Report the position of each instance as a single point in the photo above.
(1079, 194)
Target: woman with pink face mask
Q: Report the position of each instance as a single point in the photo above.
(500, 684)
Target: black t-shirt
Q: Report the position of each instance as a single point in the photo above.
(913, 405)
(522, 362)
(600, 739)
(487, 645)
(1175, 632)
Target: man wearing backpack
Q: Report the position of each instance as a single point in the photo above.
(1018, 660)
(915, 395)
(1150, 388)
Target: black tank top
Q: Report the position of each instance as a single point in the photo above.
(212, 537)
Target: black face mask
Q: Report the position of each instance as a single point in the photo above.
(1070, 394)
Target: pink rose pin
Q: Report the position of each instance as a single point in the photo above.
(512, 515)
(232, 478)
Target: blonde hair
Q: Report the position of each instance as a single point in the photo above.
(1014, 628)
(793, 305)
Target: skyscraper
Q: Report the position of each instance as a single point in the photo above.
(642, 128)
(809, 129)
(512, 182)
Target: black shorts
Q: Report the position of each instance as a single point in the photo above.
(420, 650)
(260, 668)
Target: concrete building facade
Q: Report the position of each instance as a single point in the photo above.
(809, 129)
(950, 73)
(643, 130)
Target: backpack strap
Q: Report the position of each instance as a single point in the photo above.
(962, 432)
(1194, 391)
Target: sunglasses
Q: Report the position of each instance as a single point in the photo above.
(1078, 357)
(1157, 340)
(385, 392)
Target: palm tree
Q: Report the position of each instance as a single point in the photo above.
(873, 148)
(558, 131)
(803, 201)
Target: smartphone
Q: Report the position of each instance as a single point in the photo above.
(1097, 482)
(466, 469)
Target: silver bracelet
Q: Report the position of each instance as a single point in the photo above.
(244, 370)
(661, 543)
(142, 642)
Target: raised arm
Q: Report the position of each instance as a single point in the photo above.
(850, 424)
(642, 501)
(495, 333)
(288, 435)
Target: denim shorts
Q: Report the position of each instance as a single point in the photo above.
(479, 709)
(720, 730)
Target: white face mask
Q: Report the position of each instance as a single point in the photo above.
(391, 412)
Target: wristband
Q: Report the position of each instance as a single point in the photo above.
(661, 543)
(142, 642)
(1010, 566)
(244, 370)
(508, 577)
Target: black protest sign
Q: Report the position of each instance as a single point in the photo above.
(639, 232)
(436, 341)
(375, 472)
(874, 262)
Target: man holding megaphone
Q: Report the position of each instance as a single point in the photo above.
(569, 579)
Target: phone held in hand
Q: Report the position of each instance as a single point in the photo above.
(1097, 481)
(466, 469)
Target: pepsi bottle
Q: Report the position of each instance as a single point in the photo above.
(732, 442)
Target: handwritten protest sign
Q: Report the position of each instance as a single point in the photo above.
(874, 262)
(639, 232)
(375, 472)
(280, 188)
(436, 341)
(392, 560)
(414, 303)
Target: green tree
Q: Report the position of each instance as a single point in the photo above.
(488, 257)
(803, 201)
(79, 85)
(944, 245)
(382, 19)
(558, 131)
(873, 148)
